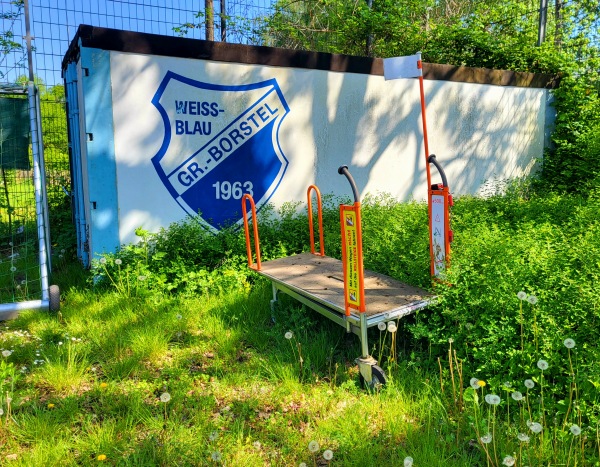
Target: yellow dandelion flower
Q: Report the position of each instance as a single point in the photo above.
(50, 405)
(101, 457)
(103, 385)
(481, 383)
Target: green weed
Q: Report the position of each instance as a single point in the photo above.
(199, 328)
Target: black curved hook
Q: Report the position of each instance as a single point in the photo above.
(432, 160)
(343, 170)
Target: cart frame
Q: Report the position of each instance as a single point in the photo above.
(314, 280)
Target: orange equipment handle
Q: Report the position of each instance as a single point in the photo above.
(310, 221)
(352, 256)
(440, 235)
(247, 232)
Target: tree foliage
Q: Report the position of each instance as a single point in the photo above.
(477, 33)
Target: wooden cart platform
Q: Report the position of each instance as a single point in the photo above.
(318, 282)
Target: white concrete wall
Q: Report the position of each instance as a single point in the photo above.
(478, 132)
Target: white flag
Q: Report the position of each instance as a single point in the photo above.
(402, 67)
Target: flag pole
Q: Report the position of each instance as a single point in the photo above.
(424, 120)
(412, 67)
(428, 172)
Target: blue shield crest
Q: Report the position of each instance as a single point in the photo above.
(220, 143)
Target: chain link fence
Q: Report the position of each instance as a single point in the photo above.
(19, 267)
(53, 25)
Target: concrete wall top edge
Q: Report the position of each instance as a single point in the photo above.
(154, 44)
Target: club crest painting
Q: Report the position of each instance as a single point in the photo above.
(220, 143)
(163, 128)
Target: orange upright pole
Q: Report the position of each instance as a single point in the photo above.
(424, 121)
(247, 232)
(428, 172)
(320, 220)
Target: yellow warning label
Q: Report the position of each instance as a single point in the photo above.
(352, 265)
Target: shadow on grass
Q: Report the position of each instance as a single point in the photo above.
(229, 369)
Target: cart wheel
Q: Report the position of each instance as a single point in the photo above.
(54, 298)
(378, 378)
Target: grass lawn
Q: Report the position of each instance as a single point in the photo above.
(174, 358)
(92, 382)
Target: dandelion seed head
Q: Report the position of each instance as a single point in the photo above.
(523, 437)
(13, 269)
(213, 435)
(532, 299)
(313, 446)
(328, 455)
(302, 464)
(1, 411)
(408, 461)
(492, 399)
(179, 317)
(6, 353)
(165, 397)
(529, 384)
(542, 364)
(507, 384)
(486, 439)
(216, 456)
(289, 335)
(474, 383)
(575, 430)
(257, 445)
(142, 278)
(102, 260)
(536, 427)
(522, 295)
(509, 461)
(118, 262)
(391, 326)
(381, 326)
(569, 343)
(516, 395)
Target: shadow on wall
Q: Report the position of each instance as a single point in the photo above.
(479, 132)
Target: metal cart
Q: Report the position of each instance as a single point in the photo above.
(340, 290)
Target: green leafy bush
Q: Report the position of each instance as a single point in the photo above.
(546, 247)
